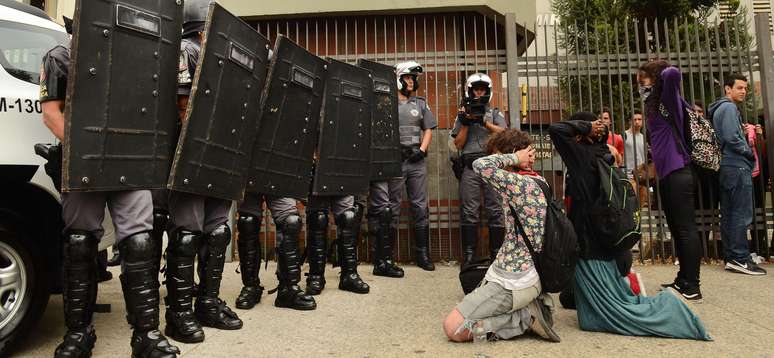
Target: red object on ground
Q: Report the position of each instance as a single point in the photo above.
(634, 282)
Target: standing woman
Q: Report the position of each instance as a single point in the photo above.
(659, 86)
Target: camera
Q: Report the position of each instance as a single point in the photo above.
(476, 106)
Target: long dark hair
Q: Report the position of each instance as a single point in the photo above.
(652, 69)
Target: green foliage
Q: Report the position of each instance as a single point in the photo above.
(607, 36)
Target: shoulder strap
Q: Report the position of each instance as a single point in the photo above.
(522, 234)
(683, 146)
(548, 194)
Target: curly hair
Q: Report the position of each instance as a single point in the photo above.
(652, 69)
(508, 141)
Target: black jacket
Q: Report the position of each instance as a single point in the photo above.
(582, 183)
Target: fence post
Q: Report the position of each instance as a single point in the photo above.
(512, 69)
(766, 62)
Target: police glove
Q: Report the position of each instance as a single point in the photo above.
(462, 117)
(416, 155)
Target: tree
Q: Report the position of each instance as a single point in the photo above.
(602, 33)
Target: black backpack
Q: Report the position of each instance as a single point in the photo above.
(615, 214)
(555, 263)
(473, 273)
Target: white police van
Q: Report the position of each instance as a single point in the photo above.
(30, 212)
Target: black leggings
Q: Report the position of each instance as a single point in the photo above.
(677, 200)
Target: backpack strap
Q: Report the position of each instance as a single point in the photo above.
(548, 194)
(522, 233)
(680, 139)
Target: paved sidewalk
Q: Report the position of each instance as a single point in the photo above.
(402, 318)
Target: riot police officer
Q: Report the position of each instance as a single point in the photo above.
(346, 219)
(197, 224)
(416, 131)
(288, 223)
(83, 213)
(476, 121)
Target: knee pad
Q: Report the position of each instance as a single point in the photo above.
(138, 247)
(317, 220)
(291, 224)
(248, 224)
(184, 243)
(346, 220)
(81, 246)
(386, 216)
(219, 237)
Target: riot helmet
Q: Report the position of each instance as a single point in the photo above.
(194, 16)
(410, 68)
(478, 80)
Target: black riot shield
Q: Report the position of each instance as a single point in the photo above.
(290, 115)
(216, 140)
(386, 161)
(120, 112)
(343, 164)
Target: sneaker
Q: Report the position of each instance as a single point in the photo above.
(747, 267)
(541, 316)
(688, 293)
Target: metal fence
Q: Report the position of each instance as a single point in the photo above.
(560, 68)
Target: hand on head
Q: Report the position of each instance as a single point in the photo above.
(526, 157)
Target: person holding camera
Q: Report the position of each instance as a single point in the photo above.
(476, 122)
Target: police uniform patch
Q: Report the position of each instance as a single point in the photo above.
(414, 112)
(43, 87)
(183, 75)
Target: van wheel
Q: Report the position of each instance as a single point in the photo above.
(23, 291)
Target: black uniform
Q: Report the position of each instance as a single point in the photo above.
(83, 213)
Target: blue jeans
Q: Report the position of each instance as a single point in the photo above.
(736, 210)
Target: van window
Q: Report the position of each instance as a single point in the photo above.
(22, 48)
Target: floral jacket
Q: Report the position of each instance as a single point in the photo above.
(523, 194)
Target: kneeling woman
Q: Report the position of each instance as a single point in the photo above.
(508, 302)
(604, 299)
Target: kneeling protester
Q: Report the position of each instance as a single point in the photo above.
(509, 301)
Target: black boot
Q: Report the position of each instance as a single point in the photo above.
(496, 237)
(317, 229)
(347, 254)
(210, 310)
(140, 284)
(469, 238)
(421, 241)
(182, 326)
(289, 295)
(79, 294)
(249, 246)
(384, 237)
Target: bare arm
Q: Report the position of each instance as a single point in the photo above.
(53, 117)
(427, 137)
(493, 127)
(461, 138)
